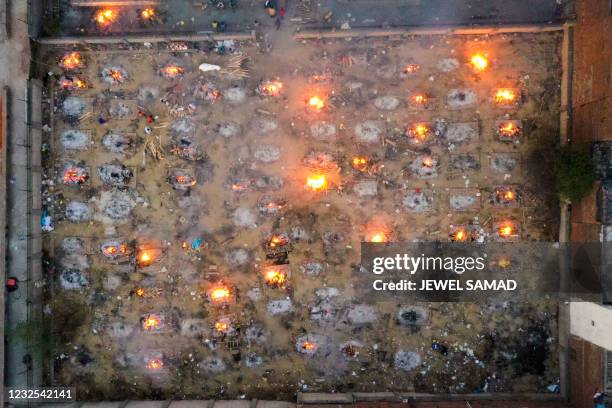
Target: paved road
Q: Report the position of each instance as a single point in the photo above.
(182, 15)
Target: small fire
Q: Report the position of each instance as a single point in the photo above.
(419, 132)
(72, 83)
(275, 277)
(479, 62)
(147, 14)
(222, 326)
(505, 96)
(114, 250)
(155, 364)
(504, 262)
(316, 182)
(140, 292)
(460, 235)
(75, 176)
(277, 241)
(271, 88)
(411, 68)
(377, 237)
(309, 346)
(171, 71)
(419, 99)
(185, 180)
(145, 257)
(220, 294)
(428, 161)
(508, 129)
(151, 322)
(116, 75)
(105, 17)
(359, 163)
(71, 60)
(506, 194)
(316, 103)
(240, 186)
(506, 230)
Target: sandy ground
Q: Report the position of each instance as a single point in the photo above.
(495, 346)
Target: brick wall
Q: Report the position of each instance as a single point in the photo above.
(586, 372)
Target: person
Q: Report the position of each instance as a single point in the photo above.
(270, 6)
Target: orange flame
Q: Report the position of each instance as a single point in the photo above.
(307, 345)
(504, 262)
(508, 129)
(506, 230)
(316, 103)
(220, 294)
(222, 326)
(460, 235)
(105, 17)
(316, 182)
(505, 96)
(185, 180)
(71, 60)
(275, 277)
(411, 68)
(419, 99)
(359, 163)
(276, 241)
(428, 161)
(116, 75)
(376, 237)
(147, 14)
(479, 62)
(271, 88)
(140, 292)
(145, 258)
(152, 322)
(155, 364)
(172, 71)
(419, 132)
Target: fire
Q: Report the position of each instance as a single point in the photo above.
(309, 346)
(505, 96)
(377, 237)
(147, 14)
(504, 262)
(460, 235)
(275, 277)
(71, 60)
(419, 132)
(239, 187)
(506, 230)
(220, 294)
(71, 84)
(276, 241)
(411, 68)
(479, 62)
(316, 103)
(185, 180)
(172, 71)
(75, 175)
(506, 194)
(140, 292)
(105, 17)
(419, 99)
(145, 257)
(116, 75)
(114, 250)
(151, 323)
(508, 129)
(428, 161)
(359, 163)
(316, 182)
(222, 326)
(271, 88)
(155, 364)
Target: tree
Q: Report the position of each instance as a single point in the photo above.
(575, 174)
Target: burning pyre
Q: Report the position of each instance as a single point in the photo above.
(270, 205)
(114, 75)
(220, 294)
(411, 68)
(506, 97)
(275, 276)
(460, 233)
(419, 100)
(154, 364)
(315, 103)
(72, 83)
(479, 62)
(277, 244)
(171, 71)
(505, 195)
(148, 14)
(181, 180)
(75, 174)
(151, 322)
(316, 182)
(419, 133)
(223, 326)
(105, 17)
(147, 255)
(270, 88)
(114, 249)
(509, 130)
(71, 61)
(507, 230)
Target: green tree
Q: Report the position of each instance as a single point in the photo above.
(575, 174)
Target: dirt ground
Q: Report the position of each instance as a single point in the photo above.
(250, 156)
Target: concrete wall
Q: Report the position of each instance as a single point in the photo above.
(591, 97)
(586, 372)
(592, 322)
